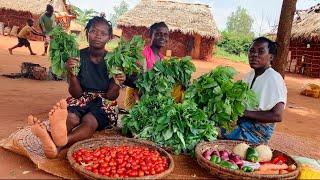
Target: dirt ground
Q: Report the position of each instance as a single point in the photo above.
(21, 97)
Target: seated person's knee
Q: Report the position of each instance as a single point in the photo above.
(73, 119)
(90, 121)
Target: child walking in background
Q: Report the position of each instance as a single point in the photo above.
(23, 37)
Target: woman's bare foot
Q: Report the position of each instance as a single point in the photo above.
(39, 130)
(58, 118)
(32, 120)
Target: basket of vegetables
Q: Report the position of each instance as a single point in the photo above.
(229, 159)
(116, 157)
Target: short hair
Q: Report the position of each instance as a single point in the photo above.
(49, 7)
(30, 21)
(96, 20)
(273, 46)
(154, 26)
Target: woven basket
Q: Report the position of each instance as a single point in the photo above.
(115, 141)
(225, 173)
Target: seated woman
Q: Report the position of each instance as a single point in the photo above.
(257, 125)
(90, 107)
(159, 35)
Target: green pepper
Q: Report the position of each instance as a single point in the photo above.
(252, 155)
(228, 165)
(215, 159)
(247, 169)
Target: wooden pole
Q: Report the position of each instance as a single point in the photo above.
(283, 36)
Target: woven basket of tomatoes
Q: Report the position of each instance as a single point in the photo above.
(229, 159)
(117, 157)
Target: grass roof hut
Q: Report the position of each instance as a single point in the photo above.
(305, 42)
(193, 31)
(16, 13)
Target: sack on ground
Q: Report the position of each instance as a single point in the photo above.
(6, 31)
(311, 90)
(1, 28)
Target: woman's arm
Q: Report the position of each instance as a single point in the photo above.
(74, 85)
(114, 87)
(113, 91)
(37, 33)
(271, 116)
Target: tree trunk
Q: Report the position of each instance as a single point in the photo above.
(283, 36)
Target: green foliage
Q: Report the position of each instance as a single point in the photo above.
(234, 43)
(240, 22)
(177, 126)
(221, 98)
(125, 56)
(221, 53)
(62, 47)
(118, 11)
(236, 39)
(164, 75)
(83, 16)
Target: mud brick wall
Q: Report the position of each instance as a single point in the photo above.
(19, 18)
(310, 54)
(177, 42)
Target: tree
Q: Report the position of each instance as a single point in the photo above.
(235, 44)
(83, 16)
(118, 11)
(240, 22)
(284, 34)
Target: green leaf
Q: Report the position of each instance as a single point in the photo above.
(167, 134)
(180, 135)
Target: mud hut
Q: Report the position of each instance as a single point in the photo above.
(305, 43)
(16, 13)
(75, 28)
(193, 31)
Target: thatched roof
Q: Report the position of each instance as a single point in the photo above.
(117, 32)
(74, 26)
(306, 24)
(184, 17)
(34, 6)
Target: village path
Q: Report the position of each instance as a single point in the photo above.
(20, 97)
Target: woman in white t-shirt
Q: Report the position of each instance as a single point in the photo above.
(257, 125)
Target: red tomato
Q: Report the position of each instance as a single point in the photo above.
(95, 166)
(122, 161)
(102, 170)
(141, 173)
(104, 164)
(95, 171)
(88, 168)
(79, 159)
(135, 173)
(128, 165)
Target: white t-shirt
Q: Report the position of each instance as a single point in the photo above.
(269, 87)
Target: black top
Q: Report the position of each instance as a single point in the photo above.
(92, 77)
